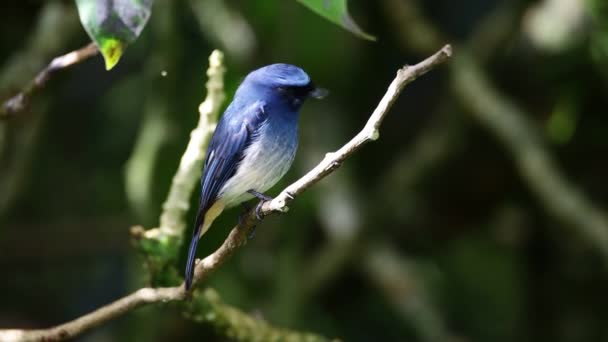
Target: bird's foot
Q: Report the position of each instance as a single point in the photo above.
(263, 199)
(259, 195)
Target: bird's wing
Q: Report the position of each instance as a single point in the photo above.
(232, 136)
(231, 139)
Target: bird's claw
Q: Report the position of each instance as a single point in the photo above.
(259, 213)
(259, 195)
(289, 195)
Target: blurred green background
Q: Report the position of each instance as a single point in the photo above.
(478, 215)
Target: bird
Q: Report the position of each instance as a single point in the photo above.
(253, 146)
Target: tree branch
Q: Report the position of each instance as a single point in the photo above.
(18, 102)
(238, 235)
(238, 325)
(370, 132)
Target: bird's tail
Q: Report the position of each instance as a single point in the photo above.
(204, 219)
(191, 258)
(192, 251)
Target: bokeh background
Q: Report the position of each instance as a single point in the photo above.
(478, 216)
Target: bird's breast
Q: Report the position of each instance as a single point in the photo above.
(265, 161)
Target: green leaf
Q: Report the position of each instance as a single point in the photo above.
(113, 24)
(336, 11)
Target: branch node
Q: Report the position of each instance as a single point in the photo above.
(278, 205)
(447, 50)
(137, 232)
(374, 135)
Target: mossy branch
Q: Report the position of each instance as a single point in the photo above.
(208, 307)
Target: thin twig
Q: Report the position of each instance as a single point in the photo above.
(238, 235)
(18, 102)
(370, 132)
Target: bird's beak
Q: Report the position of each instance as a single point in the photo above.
(318, 93)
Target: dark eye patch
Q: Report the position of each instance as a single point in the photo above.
(296, 91)
(301, 91)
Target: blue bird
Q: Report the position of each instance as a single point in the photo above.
(254, 144)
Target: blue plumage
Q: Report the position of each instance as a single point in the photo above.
(254, 143)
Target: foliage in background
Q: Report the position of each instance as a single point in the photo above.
(336, 11)
(115, 24)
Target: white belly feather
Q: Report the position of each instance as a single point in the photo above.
(266, 160)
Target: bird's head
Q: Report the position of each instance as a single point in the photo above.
(284, 83)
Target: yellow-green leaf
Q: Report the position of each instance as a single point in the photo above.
(113, 24)
(112, 50)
